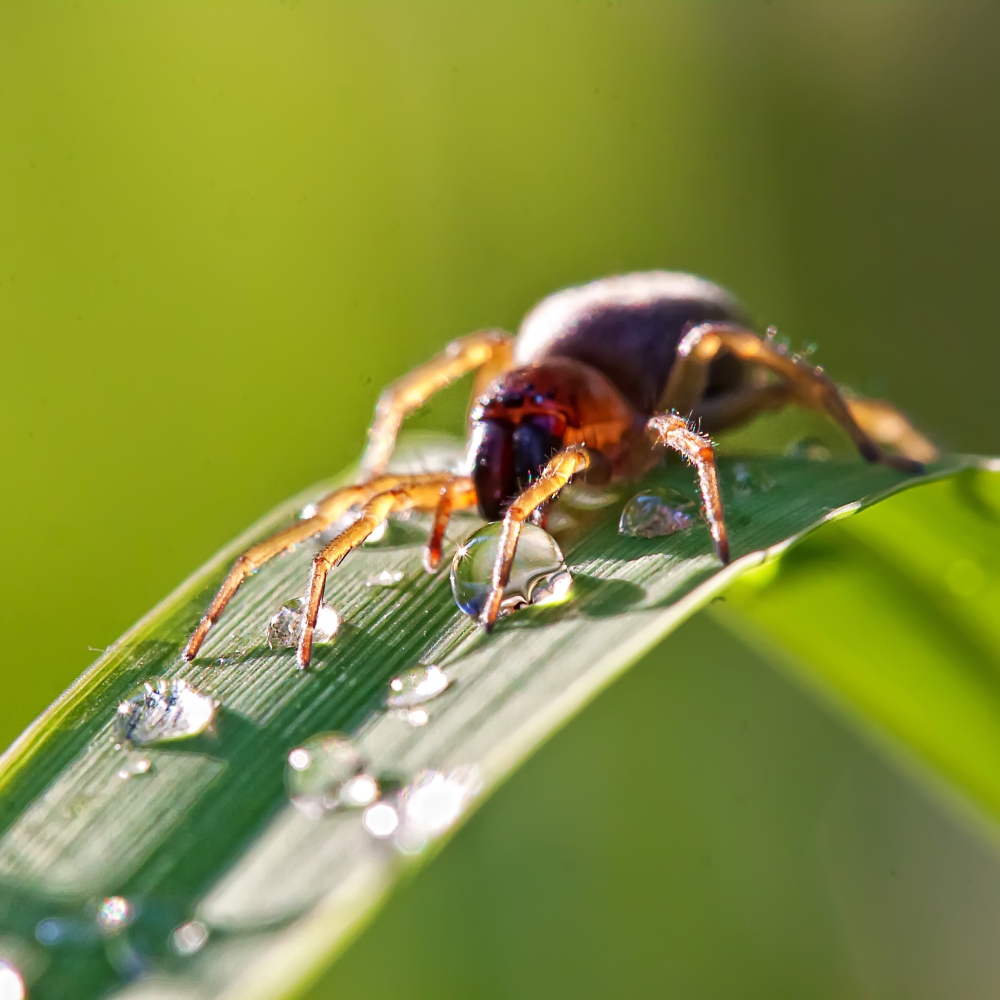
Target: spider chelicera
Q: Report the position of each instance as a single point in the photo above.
(595, 380)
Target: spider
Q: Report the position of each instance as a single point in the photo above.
(598, 378)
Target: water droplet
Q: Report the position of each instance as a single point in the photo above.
(381, 820)
(752, 479)
(964, 578)
(170, 710)
(135, 766)
(656, 512)
(308, 511)
(808, 450)
(387, 578)
(325, 772)
(533, 579)
(114, 914)
(416, 687)
(416, 717)
(284, 627)
(11, 983)
(189, 938)
(433, 803)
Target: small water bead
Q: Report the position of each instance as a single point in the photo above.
(134, 767)
(168, 710)
(808, 449)
(114, 914)
(323, 773)
(657, 512)
(415, 717)
(752, 479)
(416, 687)
(538, 576)
(11, 982)
(381, 820)
(284, 627)
(386, 578)
(188, 938)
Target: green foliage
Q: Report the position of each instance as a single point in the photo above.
(894, 616)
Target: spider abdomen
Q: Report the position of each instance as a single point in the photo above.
(628, 328)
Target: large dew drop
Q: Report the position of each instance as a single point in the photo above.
(170, 710)
(284, 627)
(657, 512)
(539, 574)
(327, 772)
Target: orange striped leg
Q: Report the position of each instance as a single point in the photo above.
(328, 510)
(809, 386)
(673, 431)
(488, 354)
(411, 493)
(560, 470)
(459, 494)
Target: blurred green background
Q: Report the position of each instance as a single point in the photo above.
(224, 226)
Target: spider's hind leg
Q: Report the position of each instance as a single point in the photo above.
(806, 385)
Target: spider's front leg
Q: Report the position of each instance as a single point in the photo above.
(425, 493)
(673, 431)
(328, 510)
(560, 470)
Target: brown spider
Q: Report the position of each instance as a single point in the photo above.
(595, 379)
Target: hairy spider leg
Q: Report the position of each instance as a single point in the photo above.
(809, 385)
(328, 510)
(489, 354)
(886, 425)
(459, 494)
(673, 431)
(560, 470)
(411, 493)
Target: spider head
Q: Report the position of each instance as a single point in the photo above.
(517, 427)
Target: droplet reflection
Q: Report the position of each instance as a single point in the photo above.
(188, 938)
(416, 687)
(657, 512)
(752, 479)
(284, 627)
(168, 710)
(386, 578)
(114, 913)
(538, 576)
(327, 772)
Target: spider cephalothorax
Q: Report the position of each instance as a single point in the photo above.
(599, 378)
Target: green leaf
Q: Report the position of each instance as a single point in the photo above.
(894, 616)
(208, 833)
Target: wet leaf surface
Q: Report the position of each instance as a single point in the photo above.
(232, 890)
